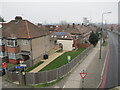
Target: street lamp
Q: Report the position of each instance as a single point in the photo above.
(101, 33)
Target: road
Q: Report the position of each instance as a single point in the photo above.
(112, 75)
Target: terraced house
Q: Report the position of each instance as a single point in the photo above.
(23, 40)
(81, 33)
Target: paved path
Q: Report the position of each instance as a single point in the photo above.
(47, 61)
(92, 65)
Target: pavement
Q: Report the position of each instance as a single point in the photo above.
(91, 65)
(47, 61)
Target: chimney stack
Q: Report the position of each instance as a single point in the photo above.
(68, 25)
(18, 18)
(73, 24)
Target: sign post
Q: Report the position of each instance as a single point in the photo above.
(68, 58)
(83, 75)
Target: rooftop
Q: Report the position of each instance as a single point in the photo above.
(22, 29)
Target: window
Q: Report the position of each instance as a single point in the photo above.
(51, 26)
(12, 56)
(62, 36)
(65, 36)
(1, 41)
(25, 42)
(12, 43)
(2, 54)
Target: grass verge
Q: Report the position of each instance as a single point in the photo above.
(62, 60)
(31, 68)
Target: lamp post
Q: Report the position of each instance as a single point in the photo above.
(101, 34)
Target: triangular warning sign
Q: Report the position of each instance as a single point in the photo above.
(83, 75)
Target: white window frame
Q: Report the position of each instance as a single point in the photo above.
(62, 36)
(65, 36)
(1, 41)
(2, 54)
(25, 42)
(14, 42)
(12, 56)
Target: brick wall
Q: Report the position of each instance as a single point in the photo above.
(2, 47)
(12, 49)
(12, 61)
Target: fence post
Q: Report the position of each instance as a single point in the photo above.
(22, 79)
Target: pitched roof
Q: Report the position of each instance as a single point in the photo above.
(22, 29)
(78, 29)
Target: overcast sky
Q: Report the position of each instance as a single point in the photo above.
(54, 12)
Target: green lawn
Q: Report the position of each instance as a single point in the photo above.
(9, 65)
(31, 68)
(62, 60)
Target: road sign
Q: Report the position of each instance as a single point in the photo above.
(19, 67)
(4, 65)
(68, 58)
(83, 75)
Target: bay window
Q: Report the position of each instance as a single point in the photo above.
(12, 43)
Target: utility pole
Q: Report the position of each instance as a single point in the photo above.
(100, 56)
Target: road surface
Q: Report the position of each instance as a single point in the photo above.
(112, 75)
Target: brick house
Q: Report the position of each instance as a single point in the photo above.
(24, 41)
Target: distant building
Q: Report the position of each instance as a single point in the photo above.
(85, 21)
